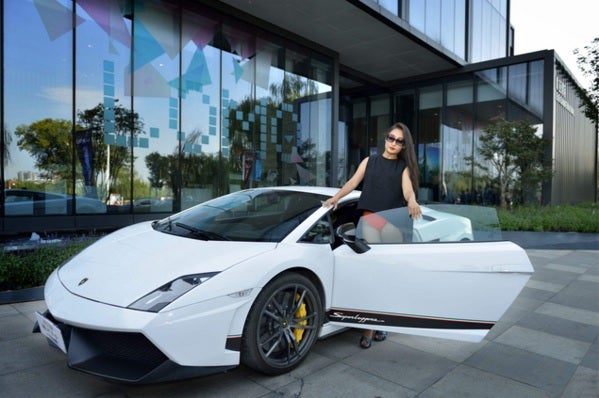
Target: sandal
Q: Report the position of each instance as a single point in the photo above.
(365, 342)
(380, 336)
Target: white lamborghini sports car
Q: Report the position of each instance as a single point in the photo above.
(257, 276)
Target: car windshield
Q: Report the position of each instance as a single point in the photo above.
(255, 215)
(439, 223)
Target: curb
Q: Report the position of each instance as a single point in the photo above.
(22, 295)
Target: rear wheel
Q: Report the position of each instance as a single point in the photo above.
(282, 325)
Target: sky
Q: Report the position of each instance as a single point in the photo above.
(561, 25)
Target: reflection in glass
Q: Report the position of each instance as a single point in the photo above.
(173, 106)
(439, 223)
(442, 21)
(535, 87)
(429, 145)
(489, 30)
(456, 174)
(154, 85)
(200, 111)
(105, 121)
(38, 106)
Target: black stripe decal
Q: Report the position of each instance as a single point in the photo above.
(411, 321)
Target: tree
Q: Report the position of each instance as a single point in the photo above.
(588, 62)
(515, 154)
(127, 125)
(49, 141)
(158, 168)
(292, 88)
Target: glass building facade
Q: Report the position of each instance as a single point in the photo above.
(147, 106)
(116, 111)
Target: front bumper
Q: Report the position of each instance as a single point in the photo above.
(142, 347)
(123, 356)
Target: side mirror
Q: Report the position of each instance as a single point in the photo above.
(347, 232)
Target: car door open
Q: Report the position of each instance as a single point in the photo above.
(451, 281)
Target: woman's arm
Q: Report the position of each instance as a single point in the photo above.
(409, 195)
(349, 186)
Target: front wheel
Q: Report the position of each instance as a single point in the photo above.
(282, 325)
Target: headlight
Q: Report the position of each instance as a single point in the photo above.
(166, 294)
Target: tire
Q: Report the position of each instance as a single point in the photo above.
(280, 331)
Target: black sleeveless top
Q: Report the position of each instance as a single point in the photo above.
(381, 187)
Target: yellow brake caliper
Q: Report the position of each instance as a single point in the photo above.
(300, 313)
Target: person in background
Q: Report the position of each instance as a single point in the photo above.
(389, 180)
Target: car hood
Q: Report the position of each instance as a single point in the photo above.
(132, 262)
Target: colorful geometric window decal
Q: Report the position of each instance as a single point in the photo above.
(121, 140)
(109, 103)
(109, 113)
(109, 90)
(173, 113)
(109, 139)
(109, 127)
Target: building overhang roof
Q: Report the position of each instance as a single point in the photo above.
(373, 45)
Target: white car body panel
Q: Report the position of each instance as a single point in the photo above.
(146, 260)
(173, 332)
(461, 282)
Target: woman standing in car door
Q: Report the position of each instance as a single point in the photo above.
(390, 180)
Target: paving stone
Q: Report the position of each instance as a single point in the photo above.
(7, 310)
(343, 381)
(467, 382)
(540, 371)
(589, 278)
(456, 351)
(552, 276)
(15, 326)
(549, 287)
(560, 327)
(591, 360)
(570, 313)
(584, 384)
(566, 268)
(587, 258)
(579, 294)
(232, 384)
(406, 366)
(27, 352)
(547, 344)
(48, 380)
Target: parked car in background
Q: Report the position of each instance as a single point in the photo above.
(155, 205)
(26, 202)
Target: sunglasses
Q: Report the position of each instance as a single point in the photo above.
(399, 141)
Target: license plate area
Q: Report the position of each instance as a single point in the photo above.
(51, 331)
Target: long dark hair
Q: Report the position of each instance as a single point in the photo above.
(408, 153)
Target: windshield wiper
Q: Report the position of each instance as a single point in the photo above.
(202, 234)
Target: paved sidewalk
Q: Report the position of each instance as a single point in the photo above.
(546, 345)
